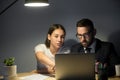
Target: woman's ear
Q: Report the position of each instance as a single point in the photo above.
(48, 36)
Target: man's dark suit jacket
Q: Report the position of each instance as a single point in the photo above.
(104, 52)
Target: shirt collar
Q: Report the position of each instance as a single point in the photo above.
(92, 46)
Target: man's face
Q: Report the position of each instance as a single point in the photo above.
(85, 36)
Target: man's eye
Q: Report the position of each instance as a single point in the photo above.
(79, 34)
(62, 36)
(86, 34)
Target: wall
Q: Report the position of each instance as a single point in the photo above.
(22, 28)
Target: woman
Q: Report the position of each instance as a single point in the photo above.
(45, 53)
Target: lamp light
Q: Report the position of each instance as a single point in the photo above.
(36, 3)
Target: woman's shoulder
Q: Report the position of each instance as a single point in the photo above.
(40, 45)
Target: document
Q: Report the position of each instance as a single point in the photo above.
(35, 77)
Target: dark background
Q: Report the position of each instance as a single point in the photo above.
(22, 28)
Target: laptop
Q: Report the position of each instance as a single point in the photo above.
(75, 66)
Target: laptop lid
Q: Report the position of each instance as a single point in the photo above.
(75, 66)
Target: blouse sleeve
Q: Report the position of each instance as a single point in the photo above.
(39, 47)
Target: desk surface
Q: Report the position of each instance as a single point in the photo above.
(49, 78)
(53, 78)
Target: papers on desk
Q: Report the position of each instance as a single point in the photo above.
(34, 77)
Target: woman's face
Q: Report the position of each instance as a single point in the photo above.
(56, 38)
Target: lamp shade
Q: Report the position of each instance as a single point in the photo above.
(36, 3)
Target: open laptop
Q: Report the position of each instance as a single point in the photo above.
(75, 66)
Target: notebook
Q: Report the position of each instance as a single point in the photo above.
(75, 66)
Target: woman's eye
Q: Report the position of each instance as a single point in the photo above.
(56, 36)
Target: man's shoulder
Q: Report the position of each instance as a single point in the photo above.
(104, 43)
(77, 45)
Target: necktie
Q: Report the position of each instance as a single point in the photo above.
(87, 50)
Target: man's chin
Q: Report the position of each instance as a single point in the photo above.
(84, 45)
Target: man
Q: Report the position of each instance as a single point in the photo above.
(104, 51)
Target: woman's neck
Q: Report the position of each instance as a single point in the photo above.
(53, 50)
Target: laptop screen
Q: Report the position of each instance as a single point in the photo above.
(75, 66)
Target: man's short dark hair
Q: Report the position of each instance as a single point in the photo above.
(85, 23)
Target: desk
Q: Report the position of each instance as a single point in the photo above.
(32, 73)
(53, 78)
(49, 78)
